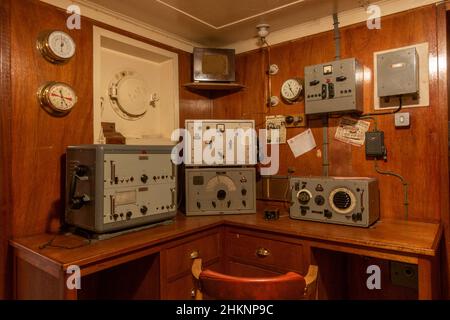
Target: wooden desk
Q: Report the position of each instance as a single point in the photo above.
(38, 269)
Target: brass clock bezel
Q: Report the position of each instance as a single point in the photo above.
(43, 96)
(43, 46)
(300, 94)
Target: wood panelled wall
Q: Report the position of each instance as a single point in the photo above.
(419, 153)
(415, 153)
(38, 139)
(34, 157)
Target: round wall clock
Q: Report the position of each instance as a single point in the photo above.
(56, 46)
(57, 98)
(292, 90)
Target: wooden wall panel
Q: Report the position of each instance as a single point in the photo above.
(40, 140)
(415, 153)
(419, 153)
(5, 144)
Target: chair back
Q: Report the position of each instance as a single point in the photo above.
(289, 286)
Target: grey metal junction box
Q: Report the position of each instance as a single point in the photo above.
(398, 73)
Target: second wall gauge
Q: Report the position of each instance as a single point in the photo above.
(292, 90)
(57, 98)
(56, 46)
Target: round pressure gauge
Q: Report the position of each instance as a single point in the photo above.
(292, 90)
(57, 98)
(56, 46)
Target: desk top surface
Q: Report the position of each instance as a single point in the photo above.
(405, 237)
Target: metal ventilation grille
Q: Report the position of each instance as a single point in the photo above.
(342, 200)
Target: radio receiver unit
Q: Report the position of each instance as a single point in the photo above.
(349, 201)
(220, 143)
(115, 187)
(215, 191)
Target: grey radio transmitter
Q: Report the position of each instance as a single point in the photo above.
(348, 201)
(220, 191)
(114, 187)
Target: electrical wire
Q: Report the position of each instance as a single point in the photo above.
(50, 244)
(375, 121)
(404, 183)
(400, 106)
(288, 192)
(269, 79)
(337, 36)
(325, 144)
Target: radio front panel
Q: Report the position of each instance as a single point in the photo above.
(137, 186)
(216, 191)
(229, 149)
(110, 188)
(349, 201)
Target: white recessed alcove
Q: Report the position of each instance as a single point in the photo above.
(135, 87)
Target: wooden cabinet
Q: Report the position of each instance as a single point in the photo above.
(156, 263)
(177, 258)
(255, 254)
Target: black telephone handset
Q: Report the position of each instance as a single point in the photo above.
(80, 172)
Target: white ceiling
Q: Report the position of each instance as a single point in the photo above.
(218, 23)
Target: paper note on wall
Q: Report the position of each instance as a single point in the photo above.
(276, 128)
(352, 131)
(302, 143)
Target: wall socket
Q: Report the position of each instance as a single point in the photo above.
(404, 275)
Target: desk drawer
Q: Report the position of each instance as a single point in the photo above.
(183, 288)
(180, 258)
(279, 255)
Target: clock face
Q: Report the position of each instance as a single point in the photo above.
(57, 97)
(56, 46)
(61, 44)
(291, 90)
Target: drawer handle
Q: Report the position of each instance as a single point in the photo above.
(262, 252)
(195, 254)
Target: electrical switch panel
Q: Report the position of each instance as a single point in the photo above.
(334, 87)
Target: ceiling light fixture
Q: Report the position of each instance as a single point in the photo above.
(263, 31)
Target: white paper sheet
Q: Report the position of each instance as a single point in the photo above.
(302, 143)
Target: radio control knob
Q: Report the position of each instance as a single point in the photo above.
(357, 217)
(320, 201)
(304, 197)
(144, 178)
(129, 214)
(328, 214)
(221, 194)
(144, 210)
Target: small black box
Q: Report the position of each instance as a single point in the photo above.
(375, 144)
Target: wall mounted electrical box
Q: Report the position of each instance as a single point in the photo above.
(402, 71)
(398, 73)
(375, 146)
(334, 87)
